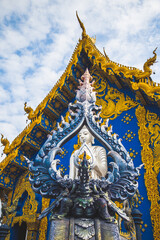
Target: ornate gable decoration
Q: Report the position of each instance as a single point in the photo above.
(46, 179)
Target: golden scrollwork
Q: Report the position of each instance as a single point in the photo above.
(30, 206)
(150, 176)
(150, 90)
(115, 103)
(154, 129)
(44, 221)
(106, 63)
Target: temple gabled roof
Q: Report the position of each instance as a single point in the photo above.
(43, 118)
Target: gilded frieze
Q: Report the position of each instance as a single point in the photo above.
(30, 206)
(113, 102)
(154, 129)
(150, 177)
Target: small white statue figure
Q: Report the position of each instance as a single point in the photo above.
(98, 154)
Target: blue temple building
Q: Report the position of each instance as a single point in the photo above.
(130, 100)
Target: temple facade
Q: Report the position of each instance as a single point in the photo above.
(128, 102)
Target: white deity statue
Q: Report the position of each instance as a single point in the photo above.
(98, 156)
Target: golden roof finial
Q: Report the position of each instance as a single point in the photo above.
(82, 26)
(150, 62)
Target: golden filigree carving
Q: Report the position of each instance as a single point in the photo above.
(150, 177)
(30, 207)
(154, 129)
(106, 63)
(115, 103)
(44, 221)
(151, 91)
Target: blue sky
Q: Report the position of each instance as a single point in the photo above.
(37, 39)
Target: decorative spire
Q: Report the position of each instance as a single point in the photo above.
(82, 26)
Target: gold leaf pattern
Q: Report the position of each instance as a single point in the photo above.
(44, 221)
(150, 177)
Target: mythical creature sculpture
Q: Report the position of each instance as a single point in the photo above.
(89, 192)
(29, 111)
(5, 142)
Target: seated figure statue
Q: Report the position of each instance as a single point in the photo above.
(99, 157)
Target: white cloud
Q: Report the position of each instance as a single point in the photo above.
(37, 39)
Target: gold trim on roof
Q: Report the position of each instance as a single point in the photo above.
(117, 68)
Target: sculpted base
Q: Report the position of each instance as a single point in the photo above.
(78, 229)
